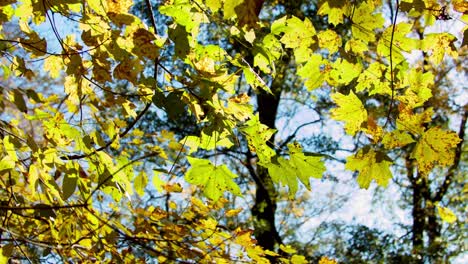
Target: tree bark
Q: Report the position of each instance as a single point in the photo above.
(418, 223)
(435, 248)
(417, 213)
(265, 206)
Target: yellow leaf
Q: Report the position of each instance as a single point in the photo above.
(413, 123)
(460, 6)
(364, 22)
(214, 5)
(271, 253)
(128, 108)
(419, 90)
(205, 65)
(336, 10)
(435, 147)
(176, 188)
(371, 165)
(287, 249)
(350, 110)
(53, 64)
(328, 39)
(233, 212)
(446, 214)
(140, 182)
(439, 44)
(158, 183)
(250, 36)
(325, 260)
(3, 258)
(298, 259)
(396, 139)
(120, 6)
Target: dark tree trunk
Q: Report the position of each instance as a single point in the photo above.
(418, 223)
(264, 209)
(417, 213)
(433, 231)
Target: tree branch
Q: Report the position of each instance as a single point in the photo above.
(140, 115)
(293, 135)
(41, 207)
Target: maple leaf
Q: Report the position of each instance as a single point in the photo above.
(350, 110)
(311, 72)
(213, 179)
(246, 11)
(400, 42)
(257, 134)
(239, 107)
(120, 6)
(335, 9)
(435, 147)
(419, 90)
(364, 22)
(371, 80)
(372, 165)
(413, 123)
(300, 166)
(330, 40)
(297, 33)
(207, 142)
(343, 72)
(439, 44)
(396, 139)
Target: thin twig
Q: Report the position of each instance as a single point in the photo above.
(392, 84)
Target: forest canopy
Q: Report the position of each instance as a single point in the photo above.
(219, 131)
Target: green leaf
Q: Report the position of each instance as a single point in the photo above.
(343, 72)
(183, 14)
(371, 165)
(350, 110)
(158, 183)
(213, 179)
(257, 135)
(207, 142)
(364, 22)
(140, 182)
(297, 33)
(311, 72)
(334, 9)
(300, 166)
(69, 185)
(19, 100)
(400, 42)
